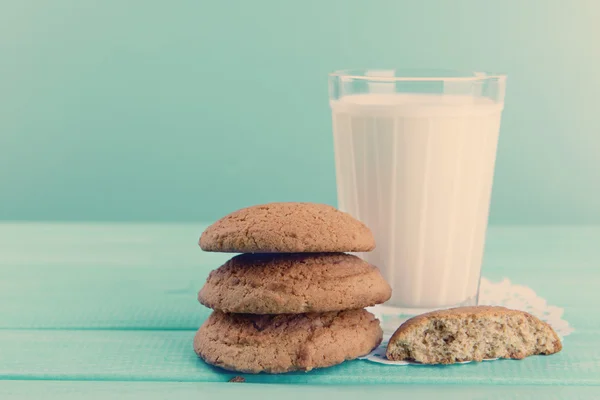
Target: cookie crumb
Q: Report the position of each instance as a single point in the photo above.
(239, 379)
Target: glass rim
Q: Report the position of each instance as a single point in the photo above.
(423, 75)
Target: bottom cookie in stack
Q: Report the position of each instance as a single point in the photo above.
(286, 342)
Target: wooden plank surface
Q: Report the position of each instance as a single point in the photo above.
(168, 356)
(16, 390)
(117, 302)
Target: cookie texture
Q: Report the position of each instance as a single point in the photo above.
(287, 228)
(472, 334)
(286, 342)
(294, 283)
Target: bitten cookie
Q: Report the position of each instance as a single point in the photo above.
(294, 283)
(287, 228)
(283, 343)
(472, 334)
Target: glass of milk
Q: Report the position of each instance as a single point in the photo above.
(415, 153)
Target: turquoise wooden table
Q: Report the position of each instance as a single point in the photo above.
(110, 310)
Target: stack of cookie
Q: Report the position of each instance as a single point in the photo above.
(294, 300)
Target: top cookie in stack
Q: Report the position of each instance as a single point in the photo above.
(294, 300)
(287, 228)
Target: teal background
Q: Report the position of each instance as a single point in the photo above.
(185, 110)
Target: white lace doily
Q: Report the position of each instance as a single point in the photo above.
(502, 293)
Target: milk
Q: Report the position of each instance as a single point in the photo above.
(417, 169)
